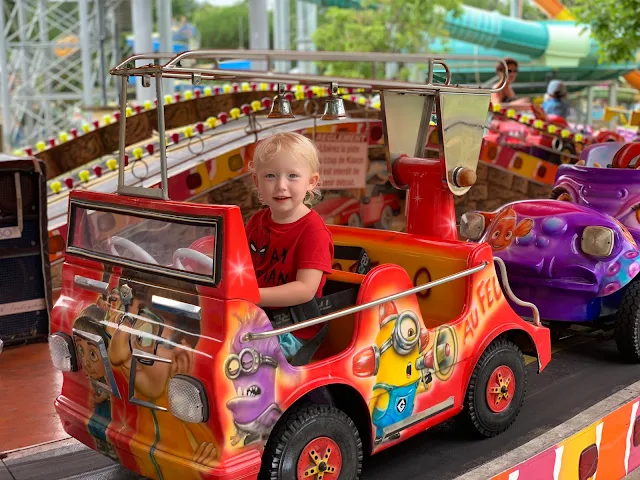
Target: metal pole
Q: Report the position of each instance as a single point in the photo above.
(166, 34)
(142, 43)
(312, 26)
(282, 32)
(162, 135)
(258, 30)
(613, 100)
(116, 45)
(589, 120)
(103, 65)
(25, 86)
(44, 38)
(4, 85)
(301, 33)
(85, 46)
(358, 308)
(123, 123)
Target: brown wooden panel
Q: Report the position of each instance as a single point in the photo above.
(90, 146)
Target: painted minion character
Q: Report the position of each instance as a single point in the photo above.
(397, 362)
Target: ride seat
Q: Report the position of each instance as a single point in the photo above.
(342, 295)
(601, 153)
(627, 157)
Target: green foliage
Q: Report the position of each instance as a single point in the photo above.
(615, 24)
(221, 27)
(186, 8)
(380, 26)
(529, 11)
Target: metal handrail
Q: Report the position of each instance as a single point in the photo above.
(358, 308)
(173, 68)
(512, 296)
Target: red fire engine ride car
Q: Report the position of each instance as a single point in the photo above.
(171, 369)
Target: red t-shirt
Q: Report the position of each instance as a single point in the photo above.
(279, 250)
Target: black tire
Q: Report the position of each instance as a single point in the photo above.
(627, 330)
(299, 427)
(476, 413)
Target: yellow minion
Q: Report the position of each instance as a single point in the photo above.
(397, 362)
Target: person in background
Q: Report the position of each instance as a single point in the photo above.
(507, 97)
(556, 99)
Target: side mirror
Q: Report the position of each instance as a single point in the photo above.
(472, 225)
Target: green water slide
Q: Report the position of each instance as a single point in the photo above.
(550, 49)
(545, 49)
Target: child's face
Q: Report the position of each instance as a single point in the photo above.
(283, 183)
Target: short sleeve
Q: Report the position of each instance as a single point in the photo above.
(315, 250)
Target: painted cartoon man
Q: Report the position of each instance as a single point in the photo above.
(251, 367)
(91, 360)
(173, 338)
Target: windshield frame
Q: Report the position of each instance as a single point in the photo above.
(215, 221)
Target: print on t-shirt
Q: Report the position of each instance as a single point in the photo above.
(270, 264)
(258, 245)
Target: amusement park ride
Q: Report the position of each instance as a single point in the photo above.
(171, 369)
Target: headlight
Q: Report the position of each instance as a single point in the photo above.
(472, 225)
(63, 353)
(187, 399)
(597, 241)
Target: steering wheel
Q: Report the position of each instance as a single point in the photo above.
(627, 157)
(199, 258)
(138, 252)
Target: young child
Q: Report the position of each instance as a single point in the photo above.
(291, 247)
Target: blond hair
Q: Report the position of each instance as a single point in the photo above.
(299, 146)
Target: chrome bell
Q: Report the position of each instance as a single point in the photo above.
(281, 108)
(334, 108)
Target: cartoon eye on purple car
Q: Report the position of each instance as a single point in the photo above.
(576, 264)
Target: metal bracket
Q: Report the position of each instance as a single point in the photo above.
(91, 284)
(173, 306)
(99, 342)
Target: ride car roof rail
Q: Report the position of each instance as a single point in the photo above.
(395, 109)
(174, 69)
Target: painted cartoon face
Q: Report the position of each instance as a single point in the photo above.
(399, 342)
(259, 244)
(253, 375)
(90, 359)
(146, 332)
(504, 229)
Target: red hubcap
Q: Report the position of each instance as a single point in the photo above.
(320, 459)
(500, 389)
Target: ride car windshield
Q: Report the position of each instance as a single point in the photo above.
(161, 242)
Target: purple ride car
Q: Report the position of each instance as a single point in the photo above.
(573, 257)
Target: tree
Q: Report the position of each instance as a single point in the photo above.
(380, 26)
(221, 27)
(615, 24)
(529, 12)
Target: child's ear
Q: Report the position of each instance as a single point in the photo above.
(255, 179)
(313, 181)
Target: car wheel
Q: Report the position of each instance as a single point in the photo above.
(496, 389)
(354, 220)
(312, 440)
(386, 218)
(627, 330)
